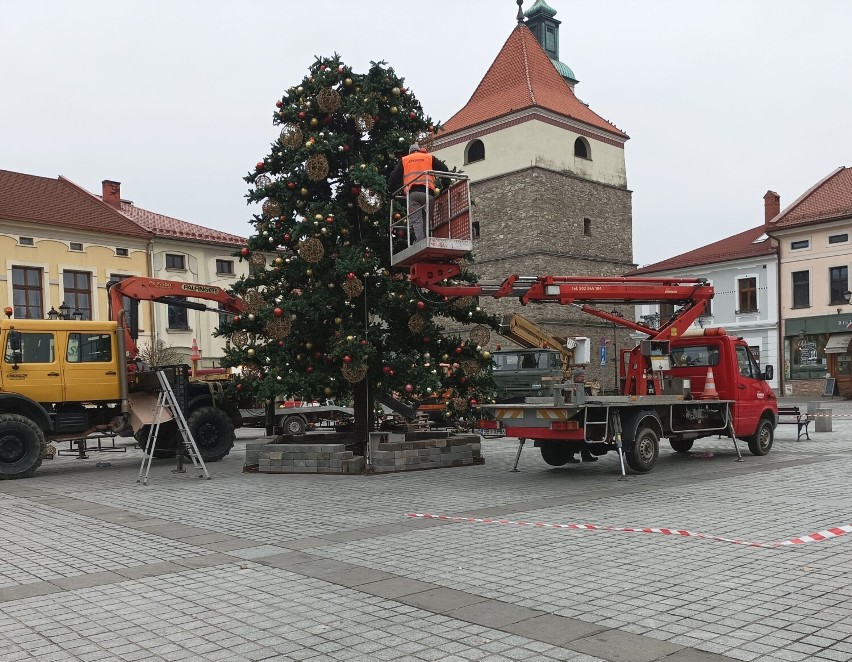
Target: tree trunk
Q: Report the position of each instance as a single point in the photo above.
(363, 413)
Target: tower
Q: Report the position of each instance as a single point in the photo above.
(548, 175)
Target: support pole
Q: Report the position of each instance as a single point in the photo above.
(518, 456)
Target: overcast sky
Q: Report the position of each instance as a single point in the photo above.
(722, 99)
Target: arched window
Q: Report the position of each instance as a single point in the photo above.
(582, 148)
(475, 151)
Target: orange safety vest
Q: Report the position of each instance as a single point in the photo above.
(413, 167)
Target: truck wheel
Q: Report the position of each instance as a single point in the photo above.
(646, 450)
(213, 432)
(167, 439)
(294, 425)
(22, 446)
(682, 445)
(556, 454)
(761, 442)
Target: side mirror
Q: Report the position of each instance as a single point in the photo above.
(768, 372)
(15, 341)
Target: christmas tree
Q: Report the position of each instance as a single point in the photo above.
(327, 316)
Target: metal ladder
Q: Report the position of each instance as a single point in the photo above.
(167, 400)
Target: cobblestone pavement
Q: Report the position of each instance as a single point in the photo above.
(294, 567)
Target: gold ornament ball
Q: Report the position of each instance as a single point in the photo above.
(486, 355)
(394, 110)
(309, 345)
(250, 352)
(348, 82)
(309, 272)
(327, 390)
(314, 121)
(338, 320)
(395, 91)
(304, 192)
(445, 357)
(350, 338)
(279, 261)
(318, 217)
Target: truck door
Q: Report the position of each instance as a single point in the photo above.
(32, 369)
(750, 395)
(91, 367)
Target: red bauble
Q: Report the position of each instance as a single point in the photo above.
(425, 339)
(412, 114)
(236, 319)
(363, 342)
(317, 355)
(390, 373)
(350, 275)
(329, 220)
(309, 369)
(458, 350)
(356, 190)
(239, 387)
(281, 343)
(420, 305)
(278, 103)
(278, 312)
(244, 252)
(259, 165)
(302, 115)
(473, 402)
(386, 369)
(409, 388)
(291, 184)
(346, 148)
(347, 359)
(287, 237)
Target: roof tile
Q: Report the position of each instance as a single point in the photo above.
(166, 226)
(828, 199)
(522, 76)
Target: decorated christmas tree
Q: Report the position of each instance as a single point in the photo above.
(327, 315)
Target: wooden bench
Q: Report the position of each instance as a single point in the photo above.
(801, 420)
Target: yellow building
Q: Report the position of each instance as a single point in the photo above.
(62, 244)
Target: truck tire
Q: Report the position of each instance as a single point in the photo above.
(293, 425)
(213, 431)
(682, 445)
(646, 449)
(167, 440)
(22, 446)
(761, 441)
(556, 454)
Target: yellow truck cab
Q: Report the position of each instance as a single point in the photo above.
(61, 361)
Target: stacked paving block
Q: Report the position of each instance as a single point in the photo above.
(422, 450)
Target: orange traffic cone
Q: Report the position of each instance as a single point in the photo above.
(710, 392)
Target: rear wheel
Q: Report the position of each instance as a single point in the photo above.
(645, 451)
(556, 454)
(682, 445)
(22, 446)
(167, 439)
(294, 425)
(213, 432)
(761, 441)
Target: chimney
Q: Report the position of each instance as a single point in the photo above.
(771, 206)
(111, 192)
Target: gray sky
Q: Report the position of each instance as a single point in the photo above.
(723, 99)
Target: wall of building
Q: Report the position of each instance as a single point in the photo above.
(547, 141)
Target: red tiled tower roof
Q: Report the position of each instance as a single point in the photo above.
(828, 199)
(522, 76)
(739, 246)
(60, 203)
(166, 226)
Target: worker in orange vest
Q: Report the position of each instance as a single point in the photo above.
(411, 172)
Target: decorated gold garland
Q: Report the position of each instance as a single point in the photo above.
(311, 250)
(253, 300)
(460, 404)
(278, 328)
(262, 181)
(257, 260)
(364, 123)
(291, 136)
(369, 201)
(271, 208)
(353, 287)
(317, 167)
(328, 100)
(416, 323)
(480, 335)
(353, 374)
(462, 302)
(470, 367)
(239, 338)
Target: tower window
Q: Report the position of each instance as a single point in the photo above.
(475, 151)
(587, 227)
(582, 148)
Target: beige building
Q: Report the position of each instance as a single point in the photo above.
(815, 255)
(62, 245)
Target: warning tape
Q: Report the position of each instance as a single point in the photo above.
(833, 532)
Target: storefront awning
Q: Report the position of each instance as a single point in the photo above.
(838, 343)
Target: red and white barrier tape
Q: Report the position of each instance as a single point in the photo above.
(833, 532)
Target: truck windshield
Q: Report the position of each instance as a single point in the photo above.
(526, 360)
(700, 356)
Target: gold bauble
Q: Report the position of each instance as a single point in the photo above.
(314, 121)
(338, 320)
(309, 272)
(304, 192)
(348, 82)
(486, 355)
(309, 345)
(250, 352)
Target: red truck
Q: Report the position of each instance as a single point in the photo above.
(679, 384)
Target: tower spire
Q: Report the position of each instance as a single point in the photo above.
(520, 11)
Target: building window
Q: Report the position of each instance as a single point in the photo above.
(178, 318)
(225, 267)
(121, 252)
(801, 289)
(582, 148)
(27, 293)
(747, 295)
(800, 245)
(175, 261)
(475, 229)
(550, 38)
(76, 246)
(475, 151)
(806, 355)
(78, 292)
(838, 278)
(587, 227)
(838, 238)
(26, 241)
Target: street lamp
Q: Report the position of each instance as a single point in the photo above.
(848, 296)
(64, 311)
(52, 314)
(77, 315)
